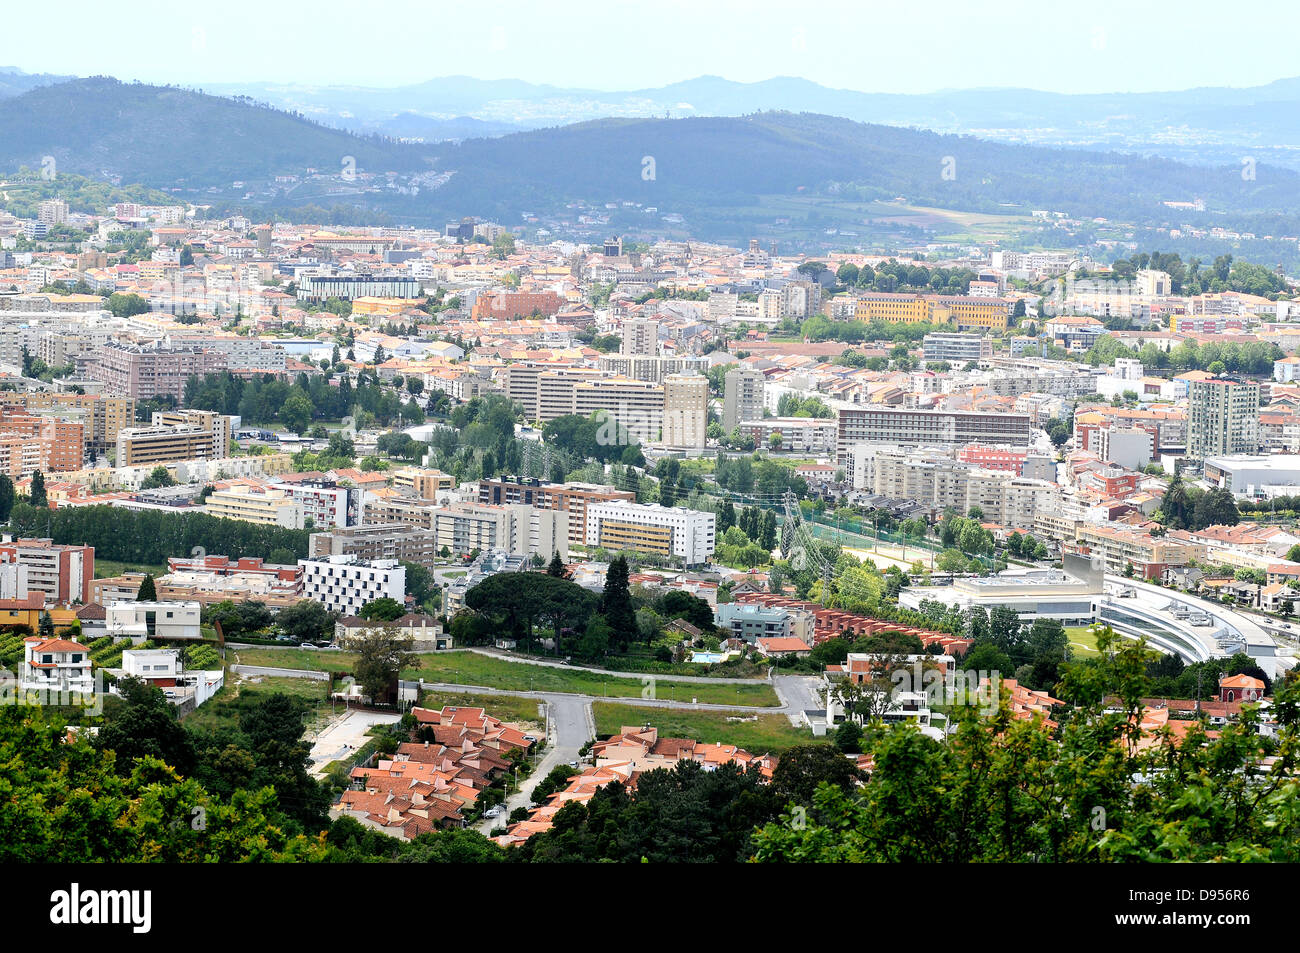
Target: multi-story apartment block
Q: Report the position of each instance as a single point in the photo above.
(344, 584)
(573, 499)
(29, 443)
(651, 528)
(509, 305)
(742, 397)
(544, 399)
(799, 434)
(61, 573)
(175, 435)
(371, 541)
(101, 417)
(918, 428)
(1119, 547)
(686, 410)
(1222, 417)
(325, 503)
(267, 505)
(637, 406)
(934, 479)
(347, 287)
(651, 369)
(403, 510)
(956, 348)
(52, 212)
(640, 337)
(154, 371)
(517, 529)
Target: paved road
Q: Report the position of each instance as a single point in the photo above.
(570, 728)
(799, 693)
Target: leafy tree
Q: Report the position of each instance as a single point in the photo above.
(306, 621)
(6, 497)
(848, 737)
(147, 592)
(296, 413)
(1177, 507)
(382, 653)
(147, 726)
(678, 604)
(384, 609)
(37, 493)
(158, 477)
(802, 769)
(680, 814)
(140, 810)
(420, 583)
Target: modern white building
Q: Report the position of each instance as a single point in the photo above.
(651, 528)
(164, 669)
(1255, 475)
(153, 620)
(344, 583)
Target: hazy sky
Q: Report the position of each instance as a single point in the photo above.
(612, 44)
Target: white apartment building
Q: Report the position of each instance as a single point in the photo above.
(55, 665)
(345, 584)
(650, 528)
(933, 478)
(640, 337)
(518, 529)
(268, 505)
(327, 507)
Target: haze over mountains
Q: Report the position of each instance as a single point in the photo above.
(1215, 125)
(806, 179)
(167, 137)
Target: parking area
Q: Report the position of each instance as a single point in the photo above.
(344, 735)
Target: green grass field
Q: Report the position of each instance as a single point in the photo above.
(221, 711)
(1082, 641)
(509, 708)
(471, 668)
(109, 567)
(762, 735)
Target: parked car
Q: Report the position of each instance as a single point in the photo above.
(308, 645)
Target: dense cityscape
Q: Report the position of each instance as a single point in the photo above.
(581, 534)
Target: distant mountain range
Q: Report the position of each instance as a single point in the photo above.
(725, 178)
(14, 82)
(166, 137)
(1213, 125)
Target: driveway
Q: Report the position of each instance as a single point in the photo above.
(344, 735)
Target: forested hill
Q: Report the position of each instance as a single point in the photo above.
(701, 168)
(164, 136)
(718, 161)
